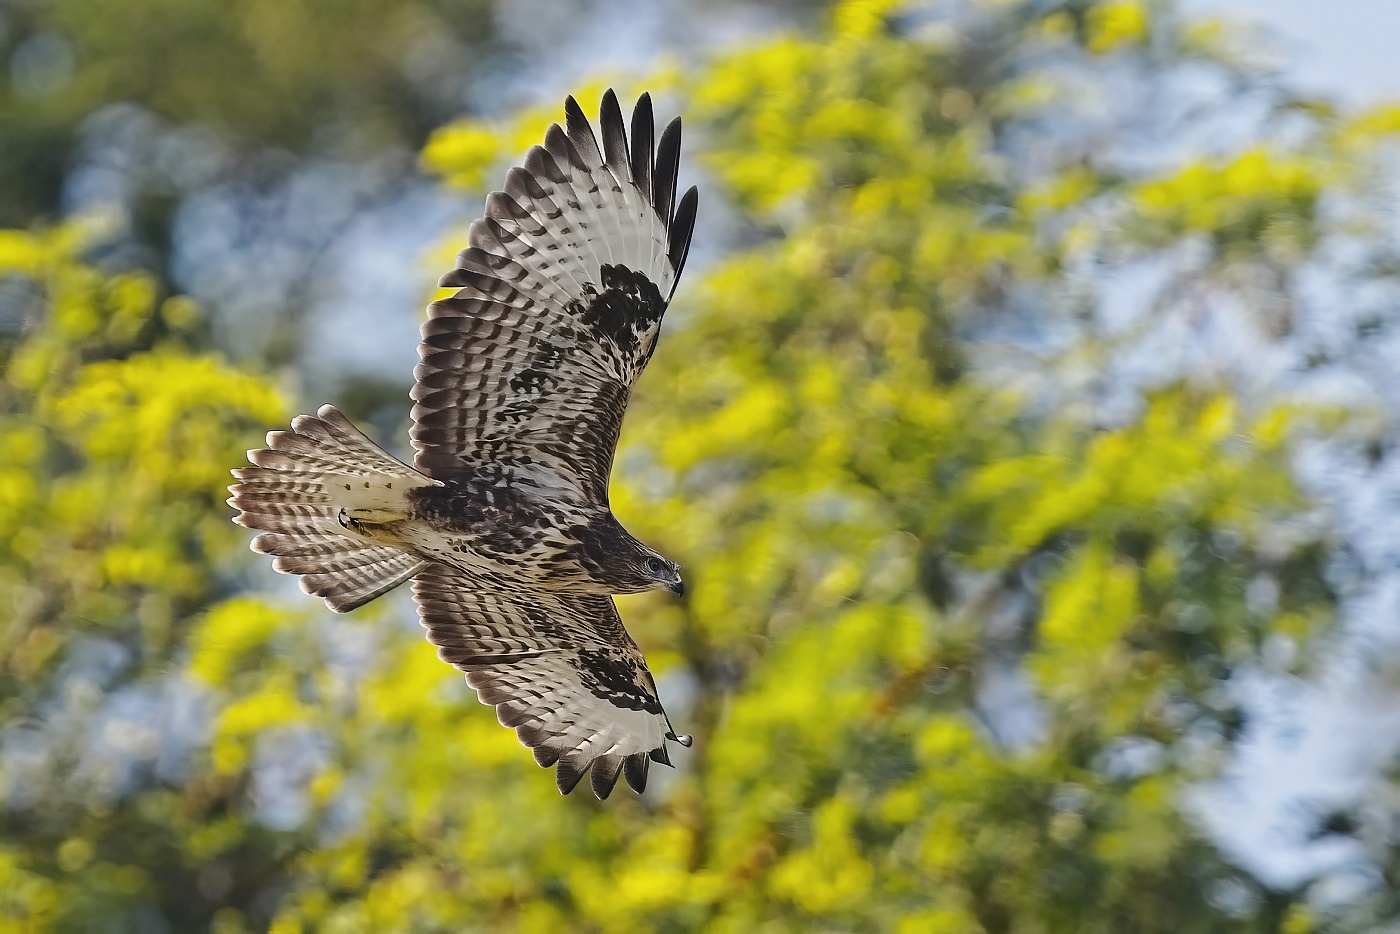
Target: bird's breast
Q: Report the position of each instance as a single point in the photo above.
(496, 530)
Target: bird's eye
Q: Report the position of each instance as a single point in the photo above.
(656, 566)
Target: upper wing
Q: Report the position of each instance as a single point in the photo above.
(527, 369)
(558, 667)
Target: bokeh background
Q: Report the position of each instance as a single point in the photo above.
(1025, 422)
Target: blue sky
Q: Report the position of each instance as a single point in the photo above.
(1313, 746)
(1346, 47)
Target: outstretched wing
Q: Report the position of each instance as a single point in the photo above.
(558, 667)
(526, 371)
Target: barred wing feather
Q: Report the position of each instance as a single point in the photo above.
(558, 667)
(527, 369)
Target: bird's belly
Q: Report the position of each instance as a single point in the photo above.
(497, 531)
(527, 562)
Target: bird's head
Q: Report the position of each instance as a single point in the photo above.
(617, 562)
(662, 574)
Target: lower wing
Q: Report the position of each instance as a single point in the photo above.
(558, 667)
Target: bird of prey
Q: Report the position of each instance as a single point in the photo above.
(503, 523)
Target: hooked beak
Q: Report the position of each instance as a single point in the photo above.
(678, 588)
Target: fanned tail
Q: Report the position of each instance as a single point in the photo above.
(314, 494)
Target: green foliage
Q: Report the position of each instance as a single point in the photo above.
(115, 437)
(302, 74)
(871, 532)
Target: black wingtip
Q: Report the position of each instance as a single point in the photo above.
(580, 131)
(682, 228)
(668, 165)
(614, 137)
(643, 145)
(567, 775)
(635, 769)
(545, 756)
(604, 775)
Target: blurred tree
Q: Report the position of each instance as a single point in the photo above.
(956, 650)
(305, 75)
(244, 142)
(345, 78)
(113, 439)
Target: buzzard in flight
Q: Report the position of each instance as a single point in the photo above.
(502, 523)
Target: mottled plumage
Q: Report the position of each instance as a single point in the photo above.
(503, 521)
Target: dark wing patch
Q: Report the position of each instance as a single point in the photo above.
(528, 368)
(628, 307)
(559, 668)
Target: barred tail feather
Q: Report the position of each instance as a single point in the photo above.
(294, 496)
